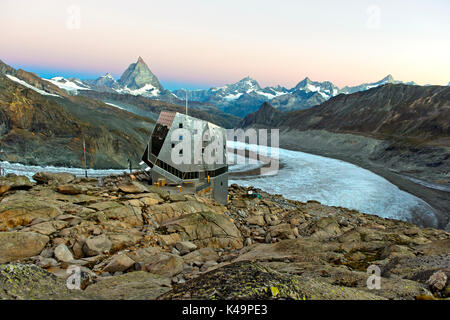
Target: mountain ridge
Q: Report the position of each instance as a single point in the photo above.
(42, 124)
(240, 98)
(400, 132)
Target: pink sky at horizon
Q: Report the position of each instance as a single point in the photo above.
(210, 43)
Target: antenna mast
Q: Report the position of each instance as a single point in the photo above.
(186, 101)
(84, 151)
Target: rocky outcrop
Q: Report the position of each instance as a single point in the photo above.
(30, 282)
(14, 183)
(137, 285)
(21, 213)
(260, 283)
(141, 242)
(52, 177)
(20, 245)
(39, 129)
(206, 229)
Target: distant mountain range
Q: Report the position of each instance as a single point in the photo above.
(246, 96)
(43, 122)
(138, 79)
(393, 111)
(240, 98)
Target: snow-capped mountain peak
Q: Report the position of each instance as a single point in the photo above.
(388, 79)
(108, 75)
(366, 86)
(138, 76)
(136, 80)
(239, 98)
(325, 89)
(70, 85)
(106, 81)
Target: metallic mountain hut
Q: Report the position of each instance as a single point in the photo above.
(203, 140)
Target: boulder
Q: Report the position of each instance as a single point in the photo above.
(261, 283)
(95, 246)
(177, 197)
(299, 249)
(135, 203)
(14, 182)
(133, 187)
(137, 285)
(104, 205)
(124, 238)
(151, 201)
(437, 281)
(436, 247)
(326, 227)
(53, 177)
(20, 245)
(130, 216)
(201, 255)
(4, 189)
(120, 263)
(45, 228)
(185, 247)
(70, 189)
(164, 194)
(164, 264)
(168, 211)
(30, 282)
(257, 220)
(46, 262)
(169, 239)
(208, 265)
(207, 229)
(14, 213)
(155, 261)
(144, 255)
(282, 231)
(62, 253)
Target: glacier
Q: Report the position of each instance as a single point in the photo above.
(335, 183)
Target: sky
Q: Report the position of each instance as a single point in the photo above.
(205, 43)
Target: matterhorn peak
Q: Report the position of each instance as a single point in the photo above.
(389, 78)
(138, 75)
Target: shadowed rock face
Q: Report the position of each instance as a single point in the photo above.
(255, 281)
(390, 111)
(29, 282)
(46, 130)
(138, 285)
(242, 280)
(148, 107)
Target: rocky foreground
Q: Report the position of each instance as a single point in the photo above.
(130, 240)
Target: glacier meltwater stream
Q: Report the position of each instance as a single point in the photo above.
(304, 177)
